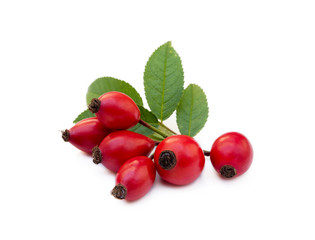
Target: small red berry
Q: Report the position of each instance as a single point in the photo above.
(120, 146)
(179, 159)
(86, 134)
(231, 154)
(115, 110)
(134, 179)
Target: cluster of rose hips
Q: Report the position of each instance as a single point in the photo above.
(178, 159)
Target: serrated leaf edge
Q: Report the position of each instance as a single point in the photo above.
(120, 83)
(193, 84)
(145, 85)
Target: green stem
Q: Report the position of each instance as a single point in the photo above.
(143, 123)
(147, 125)
(168, 129)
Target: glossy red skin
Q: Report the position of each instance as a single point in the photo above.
(190, 159)
(232, 149)
(120, 146)
(118, 111)
(87, 134)
(137, 175)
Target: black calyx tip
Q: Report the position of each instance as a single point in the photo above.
(228, 171)
(167, 159)
(97, 155)
(119, 191)
(65, 135)
(95, 105)
(206, 153)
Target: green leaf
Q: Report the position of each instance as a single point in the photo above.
(163, 81)
(85, 114)
(148, 117)
(192, 111)
(108, 84)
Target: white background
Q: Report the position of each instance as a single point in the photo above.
(254, 59)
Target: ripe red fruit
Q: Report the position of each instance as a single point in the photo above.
(134, 179)
(115, 110)
(86, 134)
(231, 154)
(120, 146)
(179, 159)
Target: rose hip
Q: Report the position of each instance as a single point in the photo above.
(231, 154)
(118, 147)
(179, 159)
(115, 110)
(86, 134)
(134, 179)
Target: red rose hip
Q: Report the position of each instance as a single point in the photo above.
(231, 154)
(179, 159)
(134, 179)
(118, 147)
(86, 134)
(115, 110)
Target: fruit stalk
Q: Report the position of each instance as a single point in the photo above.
(147, 125)
(167, 128)
(205, 152)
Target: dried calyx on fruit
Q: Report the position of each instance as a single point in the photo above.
(167, 159)
(86, 134)
(115, 110)
(134, 179)
(120, 146)
(231, 154)
(179, 159)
